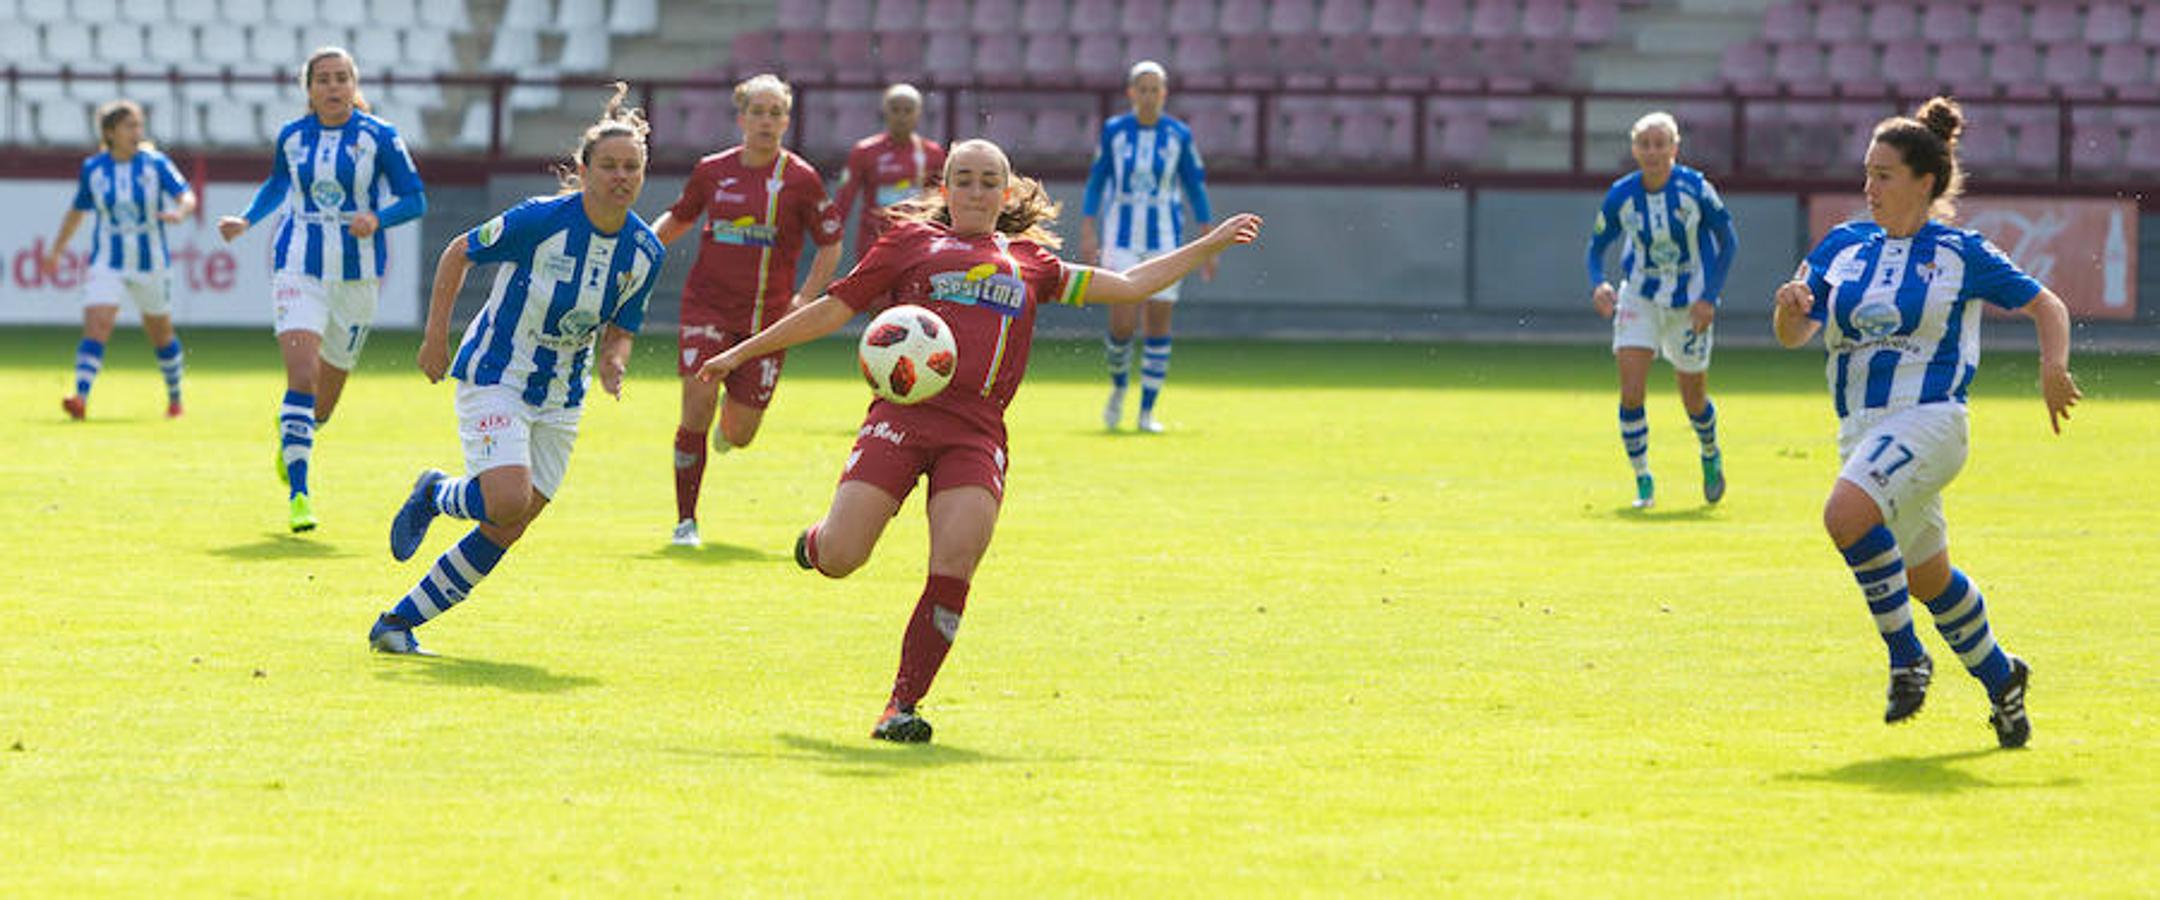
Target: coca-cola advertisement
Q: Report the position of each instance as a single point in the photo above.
(2085, 250)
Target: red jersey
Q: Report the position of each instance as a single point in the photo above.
(885, 171)
(985, 287)
(755, 221)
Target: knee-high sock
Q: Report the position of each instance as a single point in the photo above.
(89, 361)
(1961, 615)
(296, 435)
(169, 365)
(1117, 356)
(460, 498)
(1880, 569)
(930, 633)
(450, 579)
(1154, 370)
(1635, 436)
(1706, 428)
(689, 471)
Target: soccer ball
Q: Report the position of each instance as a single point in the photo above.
(907, 354)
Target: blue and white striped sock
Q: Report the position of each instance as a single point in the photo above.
(1635, 436)
(168, 362)
(460, 498)
(1961, 615)
(450, 579)
(1706, 428)
(1117, 356)
(296, 437)
(1880, 569)
(89, 361)
(1154, 370)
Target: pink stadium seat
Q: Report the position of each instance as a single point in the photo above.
(2015, 69)
(1102, 59)
(801, 14)
(1545, 19)
(1292, 16)
(2055, 22)
(1060, 132)
(1155, 46)
(2001, 21)
(1893, 22)
(1304, 131)
(1391, 16)
(1052, 16)
(1152, 16)
(753, 51)
(2126, 70)
(1596, 21)
(1946, 23)
(996, 16)
(2068, 69)
(1852, 67)
(1456, 63)
(1962, 64)
(999, 61)
(900, 55)
(1463, 140)
(1242, 17)
(2149, 35)
(1247, 61)
(1009, 123)
(1444, 18)
(1047, 59)
(1799, 67)
(2039, 150)
(1373, 132)
(1840, 21)
(1405, 59)
(1209, 120)
(1301, 61)
(1905, 67)
(802, 54)
(1354, 60)
(943, 15)
(949, 57)
(1339, 17)
(1200, 60)
(2143, 151)
(2110, 23)
(846, 14)
(1745, 67)
(1186, 16)
(1787, 22)
(1494, 19)
(896, 15)
(2096, 148)
(852, 55)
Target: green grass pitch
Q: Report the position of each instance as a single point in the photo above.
(1370, 619)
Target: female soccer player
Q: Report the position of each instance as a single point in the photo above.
(1146, 169)
(758, 201)
(581, 268)
(978, 253)
(1903, 343)
(885, 168)
(1680, 244)
(349, 177)
(126, 185)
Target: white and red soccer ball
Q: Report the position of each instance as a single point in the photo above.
(907, 354)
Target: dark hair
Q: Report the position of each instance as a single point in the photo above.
(1027, 215)
(307, 76)
(616, 120)
(1928, 140)
(111, 114)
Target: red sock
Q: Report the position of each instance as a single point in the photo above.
(809, 547)
(930, 633)
(689, 471)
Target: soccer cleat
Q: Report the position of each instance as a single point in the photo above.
(392, 635)
(802, 550)
(1114, 410)
(303, 514)
(1713, 477)
(1645, 492)
(173, 410)
(686, 535)
(76, 406)
(2012, 727)
(1147, 423)
(1908, 690)
(284, 476)
(901, 725)
(409, 527)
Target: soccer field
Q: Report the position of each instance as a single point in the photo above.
(1370, 619)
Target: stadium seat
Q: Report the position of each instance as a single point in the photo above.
(1242, 17)
(1406, 62)
(1745, 67)
(1444, 18)
(2110, 23)
(2015, 69)
(1946, 23)
(900, 55)
(2054, 23)
(317, 35)
(1375, 131)
(1300, 61)
(1303, 132)
(45, 11)
(224, 48)
(939, 15)
(2038, 152)
(1354, 61)
(999, 63)
(580, 15)
(447, 15)
(2068, 68)
(230, 123)
(2001, 22)
(1545, 19)
(801, 14)
(21, 47)
(1905, 67)
(528, 15)
(1343, 17)
(402, 14)
(1083, 17)
(1248, 60)
(1840, 21)
(69, 44)
(2148, 34)
(1893, 23)
(1200, 60)
(996, 16)
(428, 51)
(585, 51)
(802, 55)
(949, 57)
(476, 126)
(539, 92)
(144, 12)
(380, 47)
(1853, 68)
(851, 55)
(1009, 124)
(1137, 47)
(1101, 58)
(193, 12)
(1047, 59)
(513, 50)
(753, 51)
(2126, 71)
(1494, 19)
(1787, 22)
(1596, 21)
(896, 15)
(64, 123)
(1463, 140)
(1185, 17)
(1799, 67)
(1961, 64)
(846, 15)
(1060, 132)
(172, 44)
(1292, 17)
(1209, 118)
(347, 14)
(1389, 17)
(2142, 153)
(2096, 148)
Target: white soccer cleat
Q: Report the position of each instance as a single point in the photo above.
(1114, 410)
(1148, 425)
(686, 535)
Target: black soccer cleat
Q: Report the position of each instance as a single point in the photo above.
(802, 550)
(2012, 727)
(901, 725)
(1908, 690)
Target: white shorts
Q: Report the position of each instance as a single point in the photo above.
(151, 292)
(339, 311)
(498, 428)
(1118, 259)
(1903, 459)
(1662, 329)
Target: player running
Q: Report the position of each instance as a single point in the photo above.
(1903, 340)
(1680, 245)
(581, 266)
(888, 167)
(1146, 169)
(978, 253)
(341, 176)
(126, 186)
(758, 201)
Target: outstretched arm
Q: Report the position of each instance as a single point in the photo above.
(807, 323)
(450, 269)
(1149, 278)
(2051, 318)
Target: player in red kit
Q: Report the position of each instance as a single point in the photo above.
(757, 201)
(888, 167)
(979, 254)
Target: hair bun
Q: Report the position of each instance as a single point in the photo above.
(1942, 116)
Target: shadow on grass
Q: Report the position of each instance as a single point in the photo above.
(1920, 775)
(460, 672)
(866, 758)
(1665, 514)
(713, 554)
(279, 545)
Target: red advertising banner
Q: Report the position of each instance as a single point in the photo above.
(2085, 250)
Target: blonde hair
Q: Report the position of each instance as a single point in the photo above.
(1028, 211)
(1657, 119)
(109, 116)
(307, 76)
(616, 120)
(764, 83)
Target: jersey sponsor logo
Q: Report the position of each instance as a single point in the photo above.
(744, 232)
(982, 285)
(491, 422)
(559, 268)
(1846, 269)
(489, 232)
(904, 189)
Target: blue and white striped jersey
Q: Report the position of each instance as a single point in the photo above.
(1145, 174)
(1680, 239)
(127, 197)
(1899, 325)
(339, 172)
(561, 279)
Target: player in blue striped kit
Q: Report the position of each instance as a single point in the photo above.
(1894, 299)
(341, 176)
(1679, 246)
(1146, 170)
(577, 270)
(126, 186)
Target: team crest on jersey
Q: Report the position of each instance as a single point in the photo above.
(126, 212)
(982, 285)
(1877, 319)
(328, 194)
(1927, 271)
(1664, 253)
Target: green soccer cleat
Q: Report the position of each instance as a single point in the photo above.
(283, 477)
(1713, 478)
(303, 514)
(1645, 492)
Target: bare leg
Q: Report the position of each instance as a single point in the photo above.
(850, 529)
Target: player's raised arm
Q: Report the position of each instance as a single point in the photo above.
(1146, 279)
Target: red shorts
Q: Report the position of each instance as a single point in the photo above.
(900, 444)
(751, 384)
